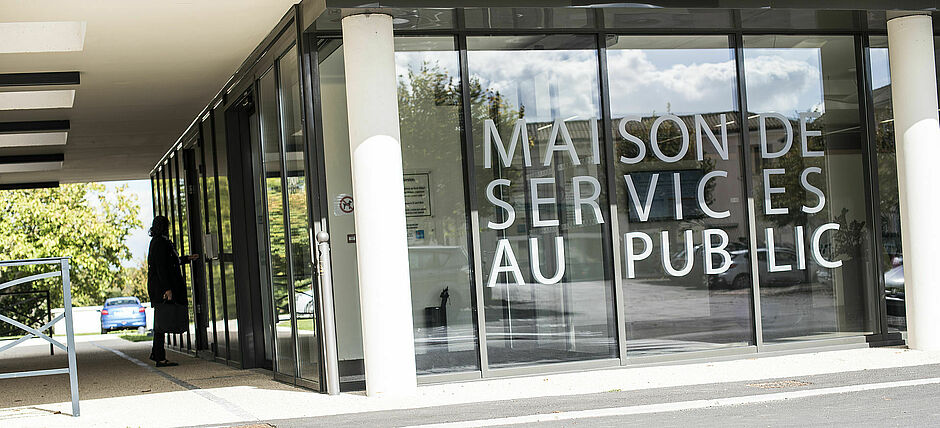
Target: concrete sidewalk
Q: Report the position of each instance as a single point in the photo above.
(119, 388)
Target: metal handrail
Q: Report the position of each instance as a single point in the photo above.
(327, 319)
(39, 333)
(32, 319)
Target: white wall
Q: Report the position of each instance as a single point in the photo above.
(339, 181)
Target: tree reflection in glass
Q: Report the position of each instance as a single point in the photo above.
(542, 199)
(680, 91)
(812, 229)
(272, 181)
(429, 104)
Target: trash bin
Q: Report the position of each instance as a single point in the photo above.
(434, 317)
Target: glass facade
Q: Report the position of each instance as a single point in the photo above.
(680, 193)
(429, 102)
(812, 225)
(179, 189)
(890, 254)
(540, 185)
(578, 189)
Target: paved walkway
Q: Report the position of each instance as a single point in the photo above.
(904, 396)
(118, 388)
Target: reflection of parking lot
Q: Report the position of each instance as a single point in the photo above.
(664, 315)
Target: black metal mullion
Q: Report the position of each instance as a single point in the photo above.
(610, 238)
(172, 190)
(471, 196)
(737, 43)
(306, 70)
(317, 163)
(153, 193)
(219, 238)
(288, 254)
(870, 173)
(210, 280)
(193, 220)
(181, 195)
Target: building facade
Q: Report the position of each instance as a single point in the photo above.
(576, 187)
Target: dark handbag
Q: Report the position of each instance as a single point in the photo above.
(170, 317)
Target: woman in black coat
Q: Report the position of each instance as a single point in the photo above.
(164, 280)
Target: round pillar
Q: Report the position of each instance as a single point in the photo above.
(378, 189)
(917, 134)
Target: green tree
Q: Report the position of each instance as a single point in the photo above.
(133, 282)
(81, 221)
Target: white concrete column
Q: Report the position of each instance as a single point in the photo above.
(378, 189)
(917, 133)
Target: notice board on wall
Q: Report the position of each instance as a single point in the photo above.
(418, 194)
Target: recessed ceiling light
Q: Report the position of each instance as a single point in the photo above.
(33, 37)
(30, 167)
(32, 100)
(29, 163)
(33, 139)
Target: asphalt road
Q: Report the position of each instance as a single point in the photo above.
(906, 396)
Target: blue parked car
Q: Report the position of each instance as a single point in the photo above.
(122, 312)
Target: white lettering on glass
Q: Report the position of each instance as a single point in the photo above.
(800, 248)
(591, 201)
(654, 138)
(720, 249)
(788, 141)
(559, 261)
(595, 142)
(804, 180)
(769, 190)
(804, 144)
(642, 211)
(504, 250)
(559, 127)
(817, 251)
(701, 127)
(510, 211)
(667, 256)
(641, 147)
(677, 194)
(632, 256)
(490, 133)
(772, 265)
(701, 195)
(537, 202)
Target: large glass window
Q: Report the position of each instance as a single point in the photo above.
(813, 233)
(891, 261)
(205, 173)
(336, 160)
(226, 258)
(277, 240)
(213, 271)
(430, 108)
(891, 257)
(429, 103)
(302, 269)
(540, 181)
(186, 340)
(686, 271)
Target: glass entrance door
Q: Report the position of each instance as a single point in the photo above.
(283, 184)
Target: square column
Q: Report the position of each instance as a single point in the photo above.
(917, 134)
(378, 189)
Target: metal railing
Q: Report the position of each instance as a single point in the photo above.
(29, 315)
(69, 348)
